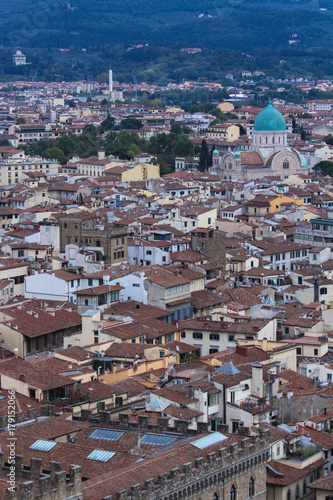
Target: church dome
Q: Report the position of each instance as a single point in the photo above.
(216, 152)
(304, 162)
(270, 120)
(237, 154)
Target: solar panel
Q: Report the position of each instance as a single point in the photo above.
(209, 440)
(107, 434)
(42, 445)
(101, 455)
(157, 439)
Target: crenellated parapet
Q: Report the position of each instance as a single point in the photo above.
(32, 484)
(209, 472)
(104, 418)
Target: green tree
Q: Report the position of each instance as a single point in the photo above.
(329, 139)
(131, 124)
(194, 109)
(55, 154)
(90, 129)
(4, 142)
(67, 144)
(134, 150)
(205, 160)
(176, 128)
(324, 167)
(184, 146)
(107, 124)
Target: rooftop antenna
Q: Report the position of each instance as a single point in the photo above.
(33, 76)
(136, 87)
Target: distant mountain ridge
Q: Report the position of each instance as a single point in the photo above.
(231, 24)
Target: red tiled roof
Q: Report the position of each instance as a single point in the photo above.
(290, 474)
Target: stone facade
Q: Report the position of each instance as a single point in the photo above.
(255, 164)
(212, 244)
(33, 484)
(213, 478)
(112, 242)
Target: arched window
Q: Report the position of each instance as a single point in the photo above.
(233, 493)
(297, 492)
(289, 495)
(65, 224)
(285, 164)
(266, 140)
(251, 487)
(215, 497)
(304, 487)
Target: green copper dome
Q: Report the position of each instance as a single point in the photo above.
(237, 154)
(216, 152)
(269, 120)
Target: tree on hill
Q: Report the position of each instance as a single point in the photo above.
(131, 123)
(324, 167)
(329, 139)
(205, 157)
(184, 146)
(90, 129)
(176, 128)
(54, 153)
(107, 124)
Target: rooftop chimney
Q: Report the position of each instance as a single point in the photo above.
(242, 350)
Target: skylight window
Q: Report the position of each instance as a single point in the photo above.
(42, 445)
(101, 455)
(107, 434)
(157, 439)
(209, 440)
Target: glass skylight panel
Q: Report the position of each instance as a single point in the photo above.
(157, 439)
(209, 440)
(107, 434)
(42, 445)
(101, 455)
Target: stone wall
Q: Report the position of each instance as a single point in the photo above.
(213, 247)
(300, 407)
(53, 486)
(113, 241)
(211, 477)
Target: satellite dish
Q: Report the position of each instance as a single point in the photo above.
(177, 348)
